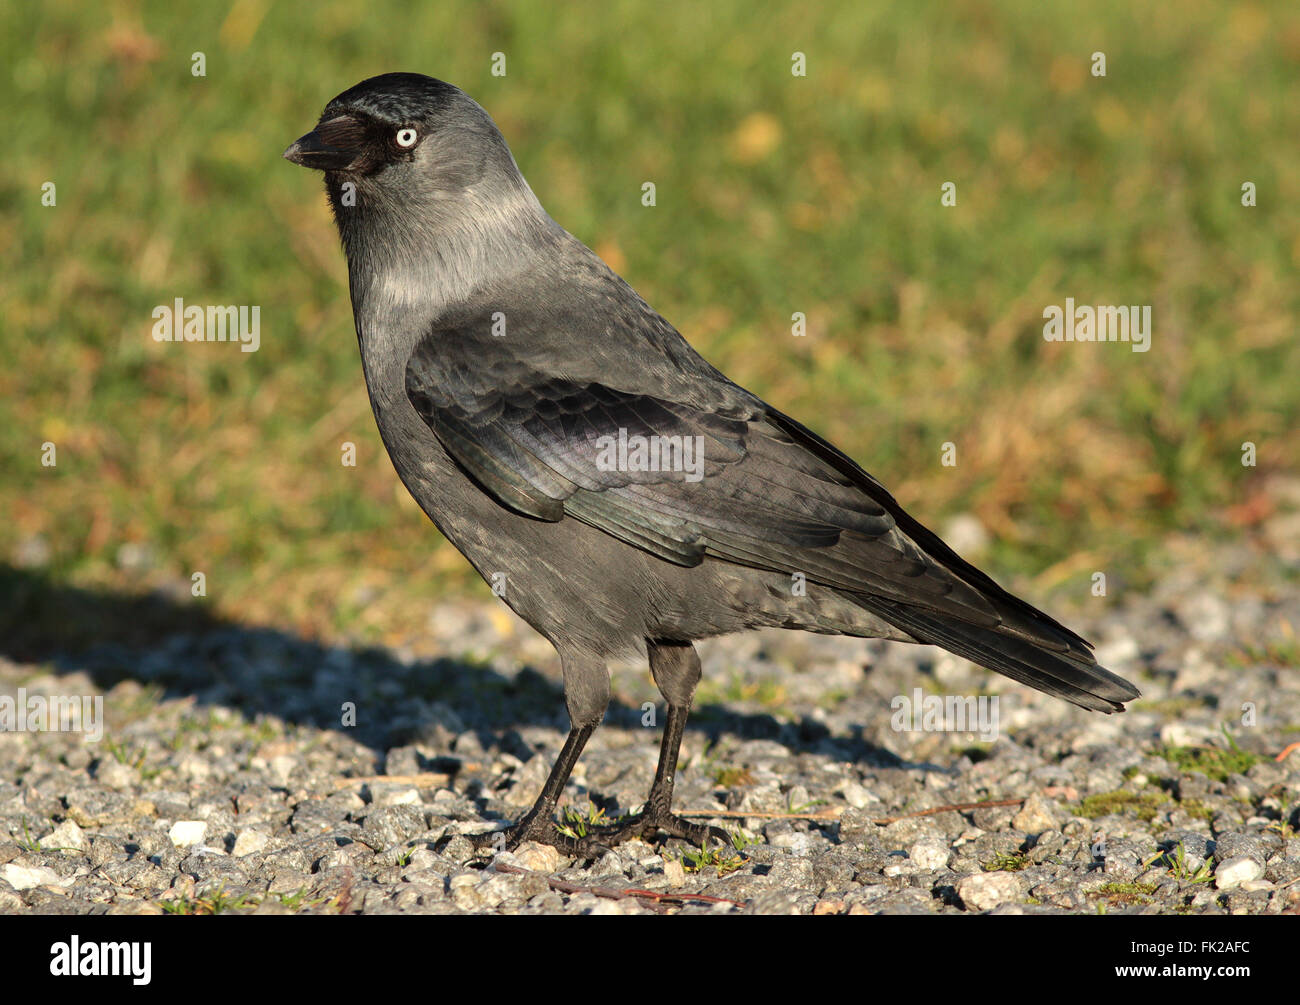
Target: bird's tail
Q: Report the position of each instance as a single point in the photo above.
(1034, 654)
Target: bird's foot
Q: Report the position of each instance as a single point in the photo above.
(651, 822)
(543, 831)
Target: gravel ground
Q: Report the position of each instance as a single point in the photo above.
(227, 781)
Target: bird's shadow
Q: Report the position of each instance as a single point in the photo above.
(182, 649)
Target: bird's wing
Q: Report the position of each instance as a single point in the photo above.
(543, 438)
(548, 446)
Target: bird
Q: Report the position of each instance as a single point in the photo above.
(623, 496)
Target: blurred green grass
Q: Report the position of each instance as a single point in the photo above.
(775, 194)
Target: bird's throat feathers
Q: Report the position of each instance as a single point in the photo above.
(434, 253)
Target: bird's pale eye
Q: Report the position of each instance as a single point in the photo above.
(406, 138)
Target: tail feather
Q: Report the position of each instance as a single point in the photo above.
(1066, 671)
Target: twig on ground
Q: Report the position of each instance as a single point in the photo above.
(834, 812)
(424, 780)
(829, 813)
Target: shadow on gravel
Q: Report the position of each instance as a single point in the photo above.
(181, 649)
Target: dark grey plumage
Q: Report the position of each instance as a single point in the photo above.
(498, 351)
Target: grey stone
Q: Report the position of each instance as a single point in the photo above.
(1037, 815)
(988, 890)
(393, 825)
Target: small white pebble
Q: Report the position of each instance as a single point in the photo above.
(929, 854)
(67, 835)
(988, 890)
(1236, 871)
(187, 833)
(22, 877)
(537, 857)
(250, 841)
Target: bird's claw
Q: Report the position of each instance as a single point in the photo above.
(543, 832)
(648, 824)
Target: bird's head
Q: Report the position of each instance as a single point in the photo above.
(406, 137)
(418, 175)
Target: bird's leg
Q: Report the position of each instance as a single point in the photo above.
(538, 823)
(676, 670)
(586, 693)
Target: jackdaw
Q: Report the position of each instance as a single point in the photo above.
(627, 496)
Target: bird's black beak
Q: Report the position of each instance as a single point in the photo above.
(334, 145)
